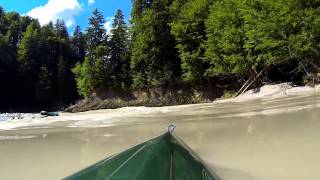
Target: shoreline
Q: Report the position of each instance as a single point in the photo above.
(272, 91)
(15, 121)
(266, 91)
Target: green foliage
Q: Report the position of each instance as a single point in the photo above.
(29, 64)
(78, 44)
(303, 29)
(154, 59)
(96, 34)
(67, 90)
(61, 30)
(245, 36)
(44, 92)
(83, 84)
(119, 57)
(168, 41)
(35, 62)
(107, 66)
(27, 51)
(226, 36)
(188, 27)
(2, 20)
(13, 27)
(89, 75)
(8, 66)
(138, 7)
(44, 47)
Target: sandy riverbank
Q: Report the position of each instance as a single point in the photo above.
(273, 91)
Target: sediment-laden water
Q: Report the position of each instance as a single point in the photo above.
(262, 139)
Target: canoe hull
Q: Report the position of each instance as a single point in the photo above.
(162, 158)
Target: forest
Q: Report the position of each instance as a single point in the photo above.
(165, 44)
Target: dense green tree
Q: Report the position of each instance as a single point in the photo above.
(8, 65)
(226, 36)
(302, 29)
(13, 28)
(245, 37)
(49, 47)
(66, 85)
(2, 20)
(30, 62)
(79, 44)
(154, 59)
(44, 93)
(9, 34)
(188, 27)
(35, 62)
(66, 82)
(91, 74)
(10, 38)
(168, 40)
(28, 48)
(139, 6)
(265, 29)
(96, 34)
(61, 30)
(119, 57)
(81, 72)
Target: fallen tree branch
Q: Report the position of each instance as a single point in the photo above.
(245, 86)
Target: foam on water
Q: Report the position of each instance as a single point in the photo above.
(4, 138)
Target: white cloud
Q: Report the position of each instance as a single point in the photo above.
(91, 2)
(57, 9)
(69, 23)
(108, 24)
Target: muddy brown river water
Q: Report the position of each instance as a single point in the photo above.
(262, 139)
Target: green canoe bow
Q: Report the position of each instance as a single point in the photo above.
(162, 158)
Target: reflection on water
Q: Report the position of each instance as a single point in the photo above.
(266, 139)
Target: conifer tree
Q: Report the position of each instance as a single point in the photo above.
(226, 38)
(30, 62)
(2, 20)
(44, 93)
(66, 83)
(119, 58)
(96, 34)
(91, 74)
(8, 66)
(154, 59)
(61, 30)
(28, 49)
(78, 44)
(188, 28)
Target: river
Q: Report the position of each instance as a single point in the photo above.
(261, 139)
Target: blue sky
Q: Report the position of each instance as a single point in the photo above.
(73, 12)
